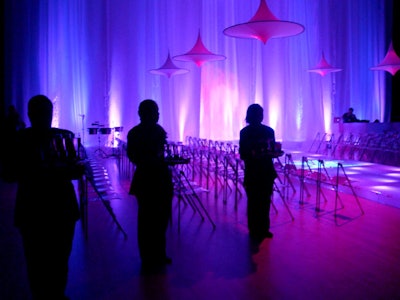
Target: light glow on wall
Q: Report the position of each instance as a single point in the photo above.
(96, 62)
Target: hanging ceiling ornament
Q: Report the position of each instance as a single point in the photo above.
(264, 26)
(323, 67)
(169, 69)
(391, 62)
(199, 54)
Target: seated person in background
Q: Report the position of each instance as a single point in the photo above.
(349, 116)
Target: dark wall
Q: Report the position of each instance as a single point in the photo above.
(395, 112)
(2, 66)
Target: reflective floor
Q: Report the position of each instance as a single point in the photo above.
(353, 254)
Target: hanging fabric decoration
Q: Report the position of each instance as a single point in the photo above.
(391, 62)
(323, 67)
(264, 26)
(199, 54)
(169, 69)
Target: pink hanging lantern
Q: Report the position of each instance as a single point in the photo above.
(264, 26)
(323, 67)
(199, 54)
(391, 62)
(168, 69)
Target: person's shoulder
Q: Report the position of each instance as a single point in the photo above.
(159, 127)
(134, 130)
(244, 129)
(267, 128)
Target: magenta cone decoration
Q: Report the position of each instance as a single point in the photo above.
(169, 69)
(323, 67)
(199, 54)
(264, 26)
(391, 62)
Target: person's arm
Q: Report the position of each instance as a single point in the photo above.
(244, 151)
(132, 149)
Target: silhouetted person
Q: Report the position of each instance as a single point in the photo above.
(349, 116)
(46, 207)
(255, 145)
(13, 121)
(151, 184)
(12, 124)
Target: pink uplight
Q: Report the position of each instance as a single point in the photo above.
(323, 67)
(199, 54)
(264, 26)
(391, 62)
(169, 69)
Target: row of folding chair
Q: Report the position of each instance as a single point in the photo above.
(314, 171)
(220, 163)
(208, 161)
(98, 187)
(383, 147)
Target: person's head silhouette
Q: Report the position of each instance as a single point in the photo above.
(255, 114)
(40, 111)
(148, 111)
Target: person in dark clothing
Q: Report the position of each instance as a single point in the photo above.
(46, 207)
(255, 146)
(151, 185)
(349, 116)
(13, 121)
(12, 124)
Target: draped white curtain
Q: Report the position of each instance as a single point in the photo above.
(92, 58)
